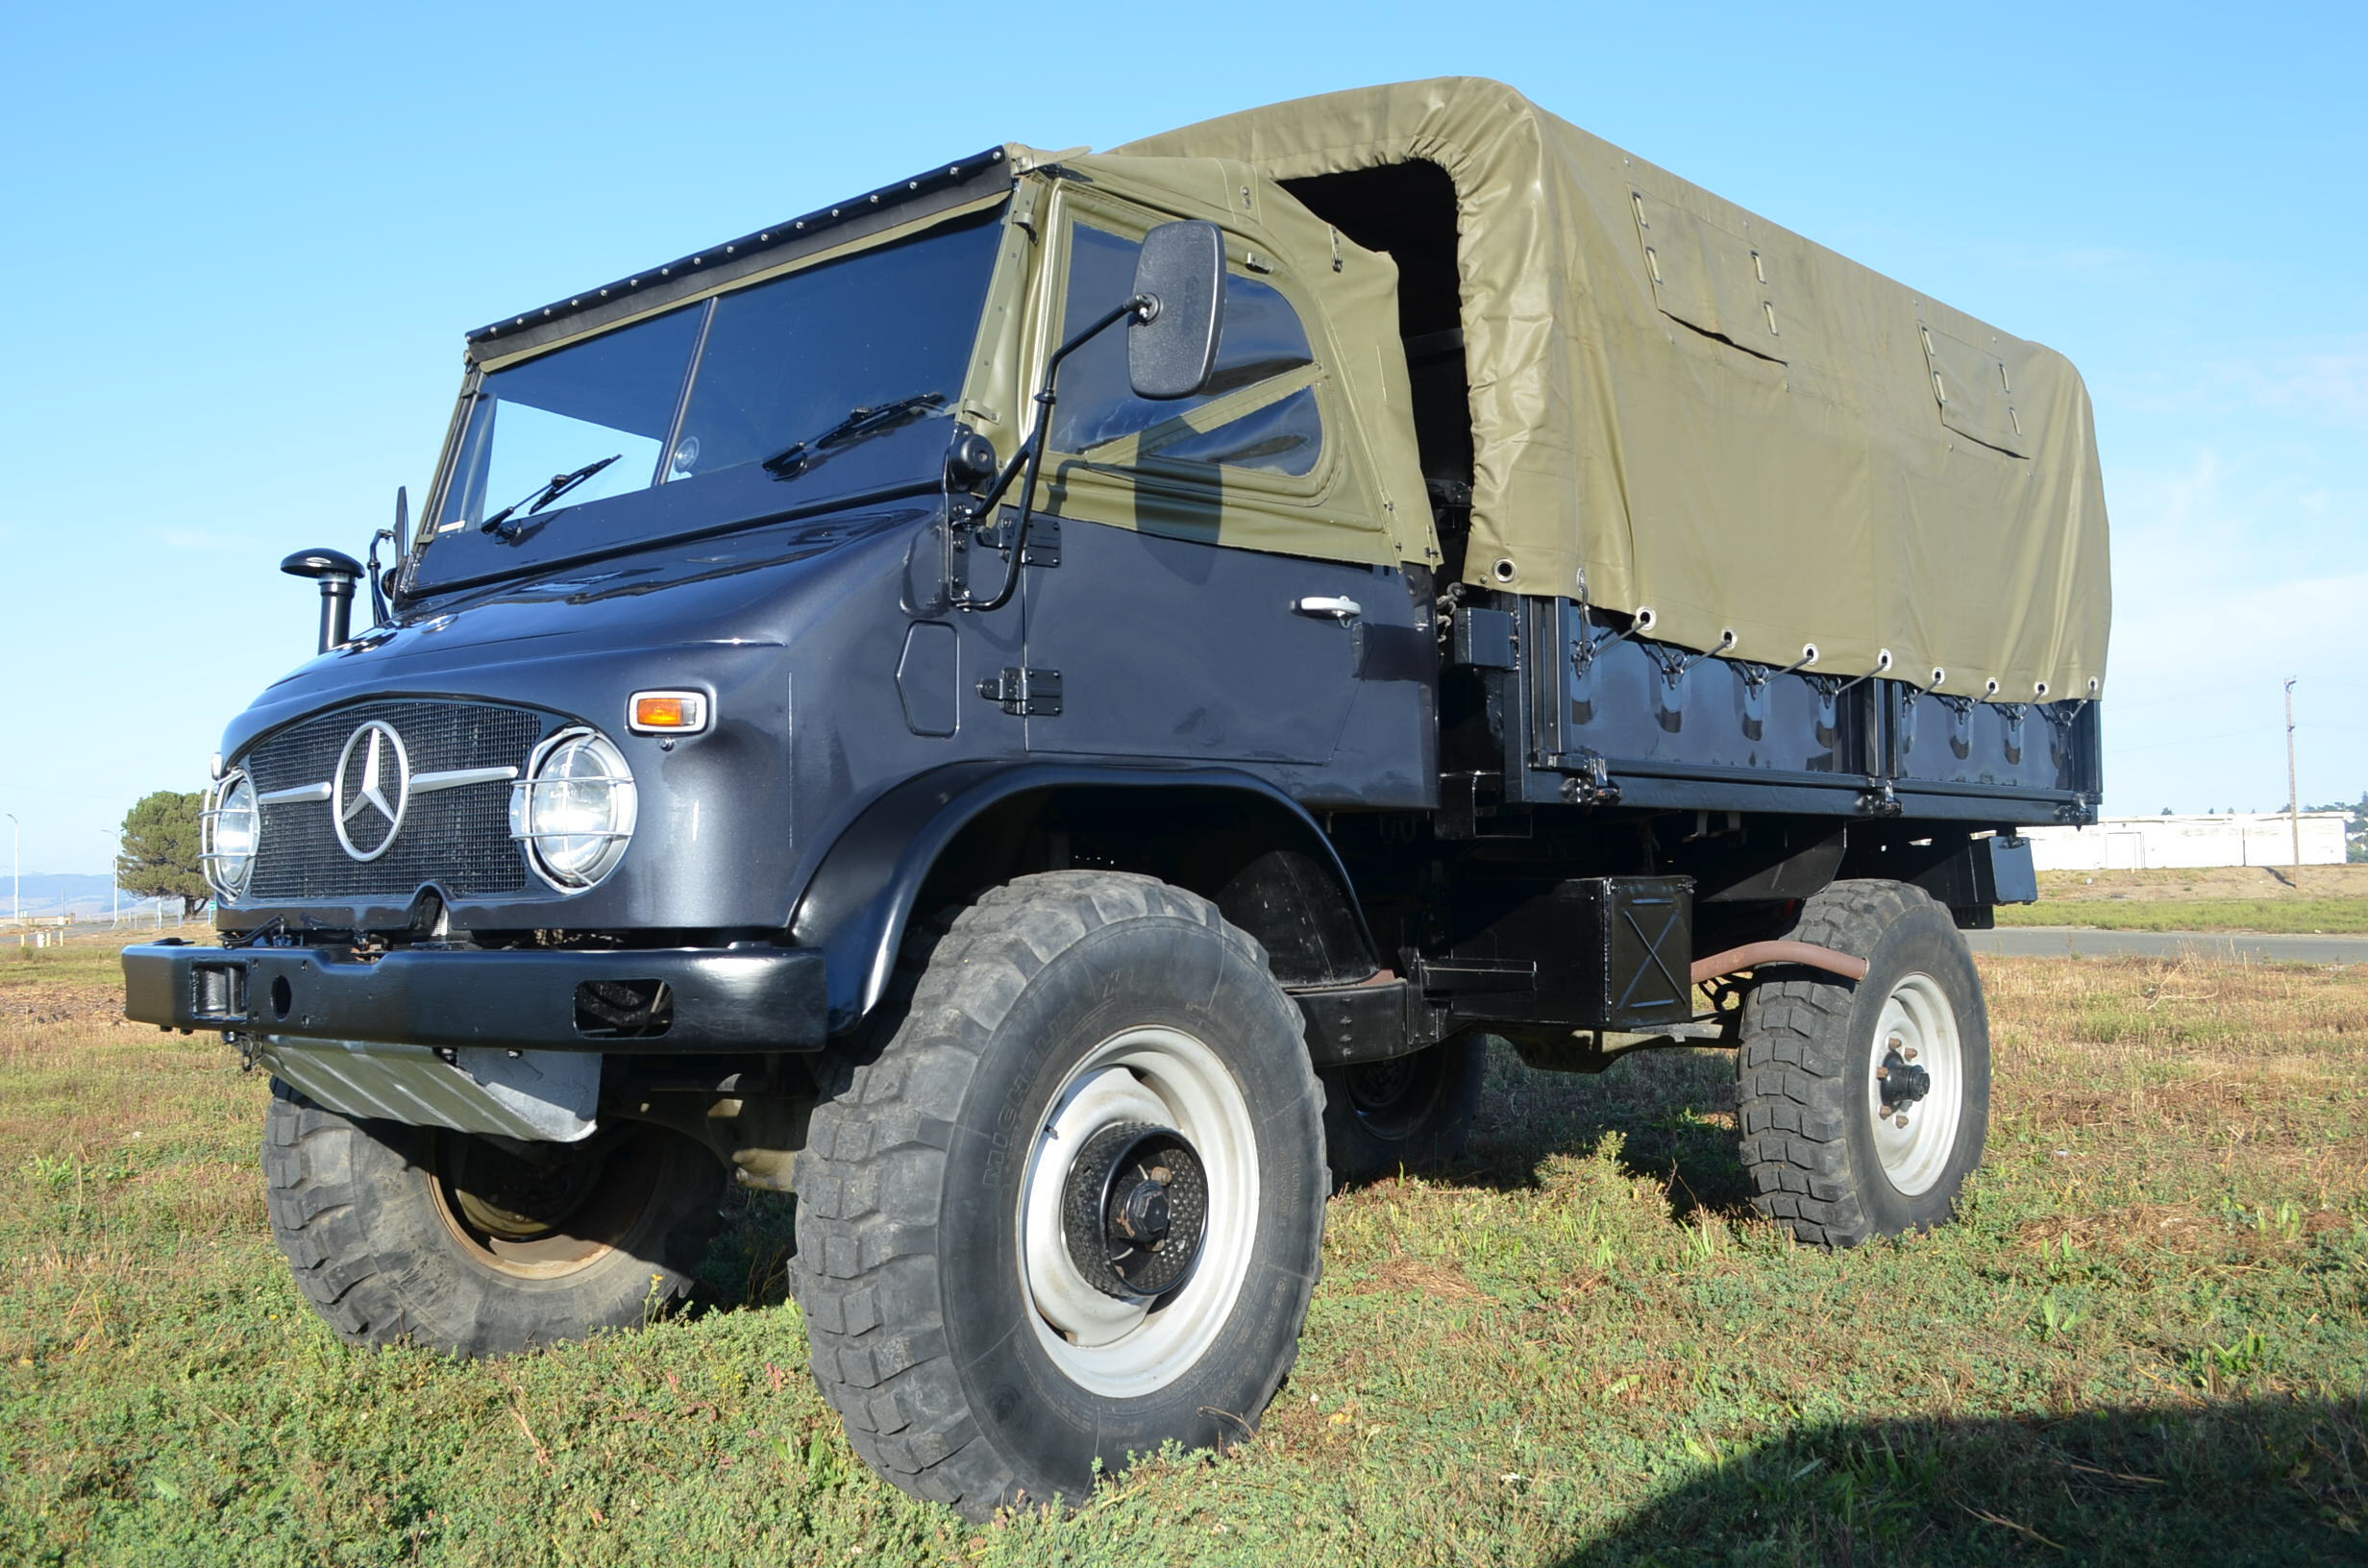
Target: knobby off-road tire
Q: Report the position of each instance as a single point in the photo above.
(1829, 1068)
(1409, 1113)
(953, 1326)
(410, 1234)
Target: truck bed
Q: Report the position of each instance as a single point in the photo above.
(1574, 711)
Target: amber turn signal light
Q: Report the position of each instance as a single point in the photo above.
(667, 713)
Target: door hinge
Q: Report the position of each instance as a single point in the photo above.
(1044, 537)
(1029, 693)
(1044, 542)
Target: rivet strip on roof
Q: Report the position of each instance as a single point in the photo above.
(822, 218)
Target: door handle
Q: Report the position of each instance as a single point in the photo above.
(1342, 610)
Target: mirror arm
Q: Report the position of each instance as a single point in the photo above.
(394, 535)
(1031, 453)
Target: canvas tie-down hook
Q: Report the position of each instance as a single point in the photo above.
(1883, 666)
(1757, 675)
(1726, 640)
(1590, 644)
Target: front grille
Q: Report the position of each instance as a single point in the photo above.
(457, 839)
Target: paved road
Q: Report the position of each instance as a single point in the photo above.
(2056, 941)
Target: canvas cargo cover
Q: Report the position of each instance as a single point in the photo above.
(1681, 407)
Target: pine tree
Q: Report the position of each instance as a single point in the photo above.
(160, 849)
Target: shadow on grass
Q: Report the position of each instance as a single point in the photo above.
(748, 1263)
(1674, 1110)
(2269, 1481)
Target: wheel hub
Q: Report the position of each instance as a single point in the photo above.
(512, 1199)
(1916, 1087)
(1134, 1209)
(1904, 1082)
(1142, 1218)
(1122, 1308)
(549, 1217)
(1379, 1086)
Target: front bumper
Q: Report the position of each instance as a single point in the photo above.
(740, 998)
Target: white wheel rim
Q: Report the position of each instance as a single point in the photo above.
(1125, 1349)
(1918, 1029)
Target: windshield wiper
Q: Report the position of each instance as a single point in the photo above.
(560, 485)
(792, 459)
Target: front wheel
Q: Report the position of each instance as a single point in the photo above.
(1071, 1210)
(1865, 1105)
(453, 1241)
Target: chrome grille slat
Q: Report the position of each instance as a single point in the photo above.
(456, 838)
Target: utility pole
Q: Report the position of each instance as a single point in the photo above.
(17, 865)
(2293, 796)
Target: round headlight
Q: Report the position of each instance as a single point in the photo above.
(230, 826)
(573, 810)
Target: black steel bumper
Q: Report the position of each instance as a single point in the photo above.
(748, 998)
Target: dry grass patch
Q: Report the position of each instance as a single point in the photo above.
(2315, 898)
(2192, 883)
(1401, 1275)
(57, 1002)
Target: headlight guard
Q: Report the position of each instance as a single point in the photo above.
(573, 810)
(229, 831)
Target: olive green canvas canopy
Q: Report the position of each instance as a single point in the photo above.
(1684, 412)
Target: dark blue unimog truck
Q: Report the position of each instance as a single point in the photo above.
(1053, 707)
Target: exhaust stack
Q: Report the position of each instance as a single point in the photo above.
(336, 572)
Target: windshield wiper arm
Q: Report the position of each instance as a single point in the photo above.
(560, 485)
(862, 420)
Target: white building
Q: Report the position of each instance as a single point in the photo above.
(2254, 838)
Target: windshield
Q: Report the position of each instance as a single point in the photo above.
(681, 411)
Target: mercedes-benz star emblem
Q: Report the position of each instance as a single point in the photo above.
(372, 792)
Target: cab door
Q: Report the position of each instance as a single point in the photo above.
(1168, 636)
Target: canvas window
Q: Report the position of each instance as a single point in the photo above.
(1974, 386)
(1265, 347)
(1717, 282)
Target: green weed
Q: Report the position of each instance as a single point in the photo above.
(2056, 1319)
(2217, 1366)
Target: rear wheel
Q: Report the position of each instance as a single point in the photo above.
(1404, 1114)
(1071, 1209)
(453, 1241)
(1864, 1104)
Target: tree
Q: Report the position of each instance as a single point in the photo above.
(159, 851)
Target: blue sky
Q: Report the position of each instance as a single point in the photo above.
(243, 244)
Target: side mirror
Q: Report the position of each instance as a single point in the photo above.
(1172, 348)
(1173, 319)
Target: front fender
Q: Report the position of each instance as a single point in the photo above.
(864, 891)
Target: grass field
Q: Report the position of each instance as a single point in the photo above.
(2328, 898)
(2147, 1341)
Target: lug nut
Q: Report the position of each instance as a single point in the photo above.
(1902, 1121)
(1908, 1055)
(1883, 1073)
